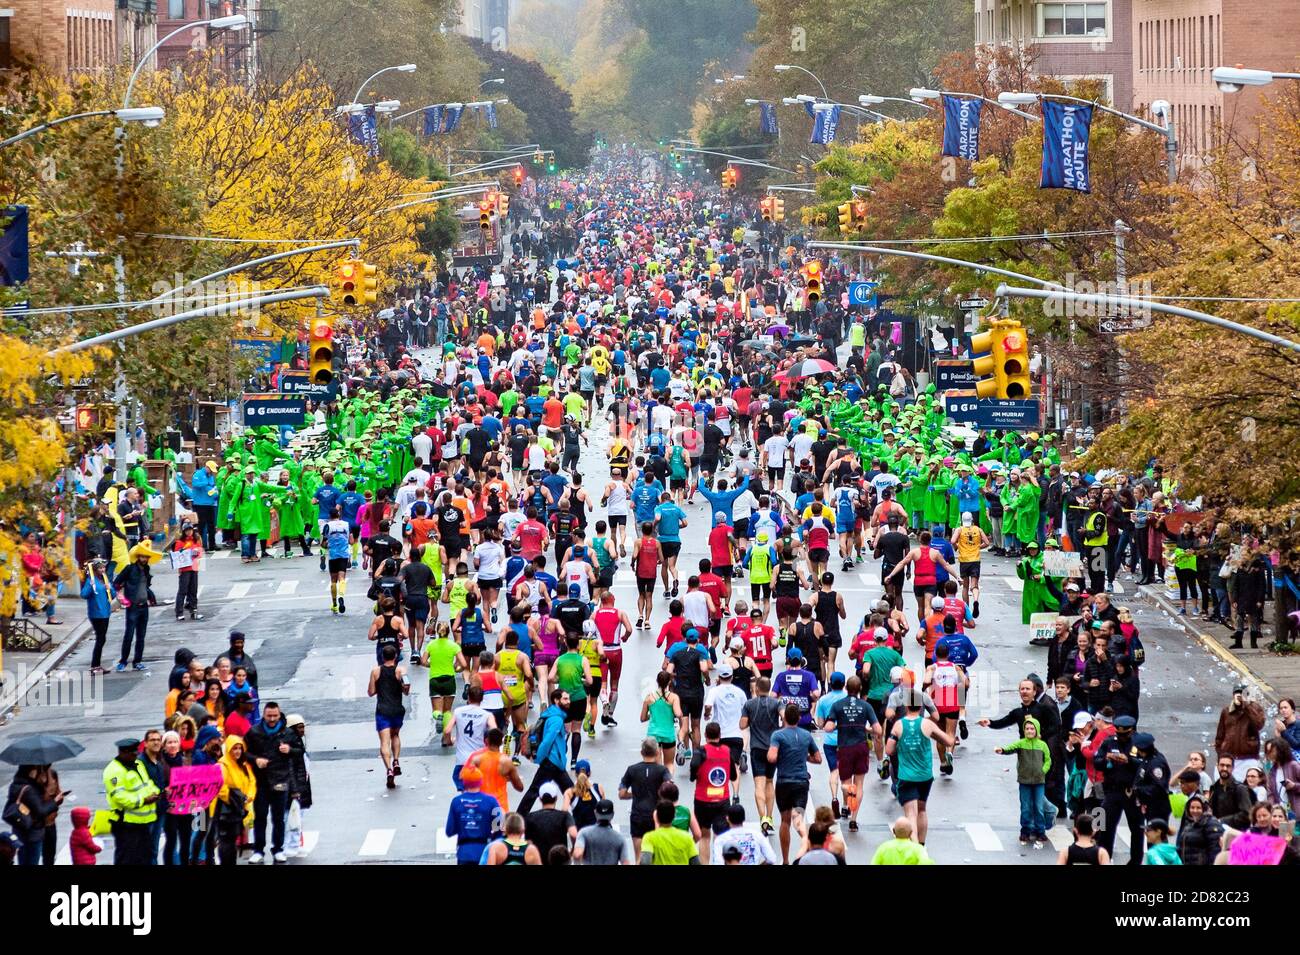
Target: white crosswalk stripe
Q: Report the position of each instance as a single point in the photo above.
(1059, 837)
(239, 590)
(982, 837)
(219, 554)
(310, 838)
(1015, 583)
(377, 843)
(286, 587)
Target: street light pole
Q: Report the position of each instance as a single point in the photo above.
(783, 67)
(404, 68)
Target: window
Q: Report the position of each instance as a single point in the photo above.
(1072, 19)
(6, 55)
(175, 9)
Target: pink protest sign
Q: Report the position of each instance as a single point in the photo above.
(192, 788)
(1252, 848)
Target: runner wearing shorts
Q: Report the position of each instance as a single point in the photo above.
(761, 715)
(614, 627)
(648, 556)
(968, 540)
(909, 746)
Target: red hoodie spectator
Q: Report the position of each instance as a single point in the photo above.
(81, 842)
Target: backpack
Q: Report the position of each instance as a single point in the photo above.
(535, 734)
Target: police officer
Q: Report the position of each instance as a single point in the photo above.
(132, 795)
(1118, 760)
(1095, 540)
(1152, 784)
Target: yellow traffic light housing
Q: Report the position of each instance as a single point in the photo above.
(845, 210)
(346, 274)
(519, 176)
(812, 280)
(485, 215)
(320, 350)
(778, 209)
(1004, 371)
(503, 204)
(369, 284)
(765, 207)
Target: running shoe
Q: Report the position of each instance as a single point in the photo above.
(744, 761)
(612, 721)
(884, 768)
(397, 768)
(681, 757)
(962, 731)
(334, 607)
(668, 595)
(640, 623)
(342, 609)
(975, 611)
(675, 588)
(1039, 843)
(391, 783)
(120, 668)
(141, 666)
(196, 616)
(766, 826)
(853, 825)
(97, 671)
(1024, 840)
(586, 723)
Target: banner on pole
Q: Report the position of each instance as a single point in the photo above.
(767, 119)
(490, 112)
(452, 118)
(433, 120)
(825, 124)
(1066, 127)
(961, 127)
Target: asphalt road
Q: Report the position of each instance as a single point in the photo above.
(317, 664)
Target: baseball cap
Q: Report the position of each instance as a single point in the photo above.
(762, 537)
(471, 774)
(1072, 586)
(605, 809)
(793, 655)
(719, 517)
(936, 603)
(881, 634)
(966, 519)
(756, 612)
(837, 680)
(582, 766)
(1125, 722)
(548, 793)
(1082, 719)
(692, 635)
(294, 719)
(724, 671)
(737, 643)
(575, 590)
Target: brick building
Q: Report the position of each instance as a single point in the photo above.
(1178, 43)
(78, 36)
(1148, 50)
(1091, 39)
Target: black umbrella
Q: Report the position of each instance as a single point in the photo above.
(40, 750)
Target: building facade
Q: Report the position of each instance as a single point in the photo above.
(1152, 50)
(487, 20)
(66, 38)
(1071, 40)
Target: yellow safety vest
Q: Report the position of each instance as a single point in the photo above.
(127, 790)
(1097, 535)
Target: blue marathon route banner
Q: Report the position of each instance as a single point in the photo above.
(433, 120)
(273, 409)
(825, 124)
(452, 119)
(1066, 127)
(767, 119)
(961, 127)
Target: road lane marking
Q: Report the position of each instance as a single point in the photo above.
(1015, 583)
(983, 837)
(1060, 838)
(239, 590)
(286, 587)
(310, 838)
(377, 842)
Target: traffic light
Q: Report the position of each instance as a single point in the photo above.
(87, 418)
(1004, 371)
(778, 209)
(812, 280)
(519, 176)
(369, 287)
(730, 178)
(550, 167)
(845, 210)
(538, 158)
(485, 215)
(320, 351)
(860, 211)
(503, 204)
(765, 207)
(346, 275)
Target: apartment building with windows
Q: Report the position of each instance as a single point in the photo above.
(1070, 39)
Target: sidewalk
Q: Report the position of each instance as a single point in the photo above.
(24, 670)
(1277, 675)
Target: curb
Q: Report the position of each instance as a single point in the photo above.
(1210, 643)
(51, 661)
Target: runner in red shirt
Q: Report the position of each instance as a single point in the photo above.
(715, 587)
(722, 548)
(759, 638)
(531, 535)
(645, 564)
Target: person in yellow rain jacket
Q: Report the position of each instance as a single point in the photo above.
(119, 557)
(132, 798)
(233, 807)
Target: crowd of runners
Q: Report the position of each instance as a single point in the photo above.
(452, 492)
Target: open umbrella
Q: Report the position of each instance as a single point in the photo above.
(40, 750)
(778, 329)
(808, 368)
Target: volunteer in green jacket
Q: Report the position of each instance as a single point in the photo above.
(131, 798)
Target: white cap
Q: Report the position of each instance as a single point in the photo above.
(895, 676)
(549, 789)
(724, 671)
(967, 519)
(1082, 719)
(936, 603)
(737, 643)
(881, 634)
